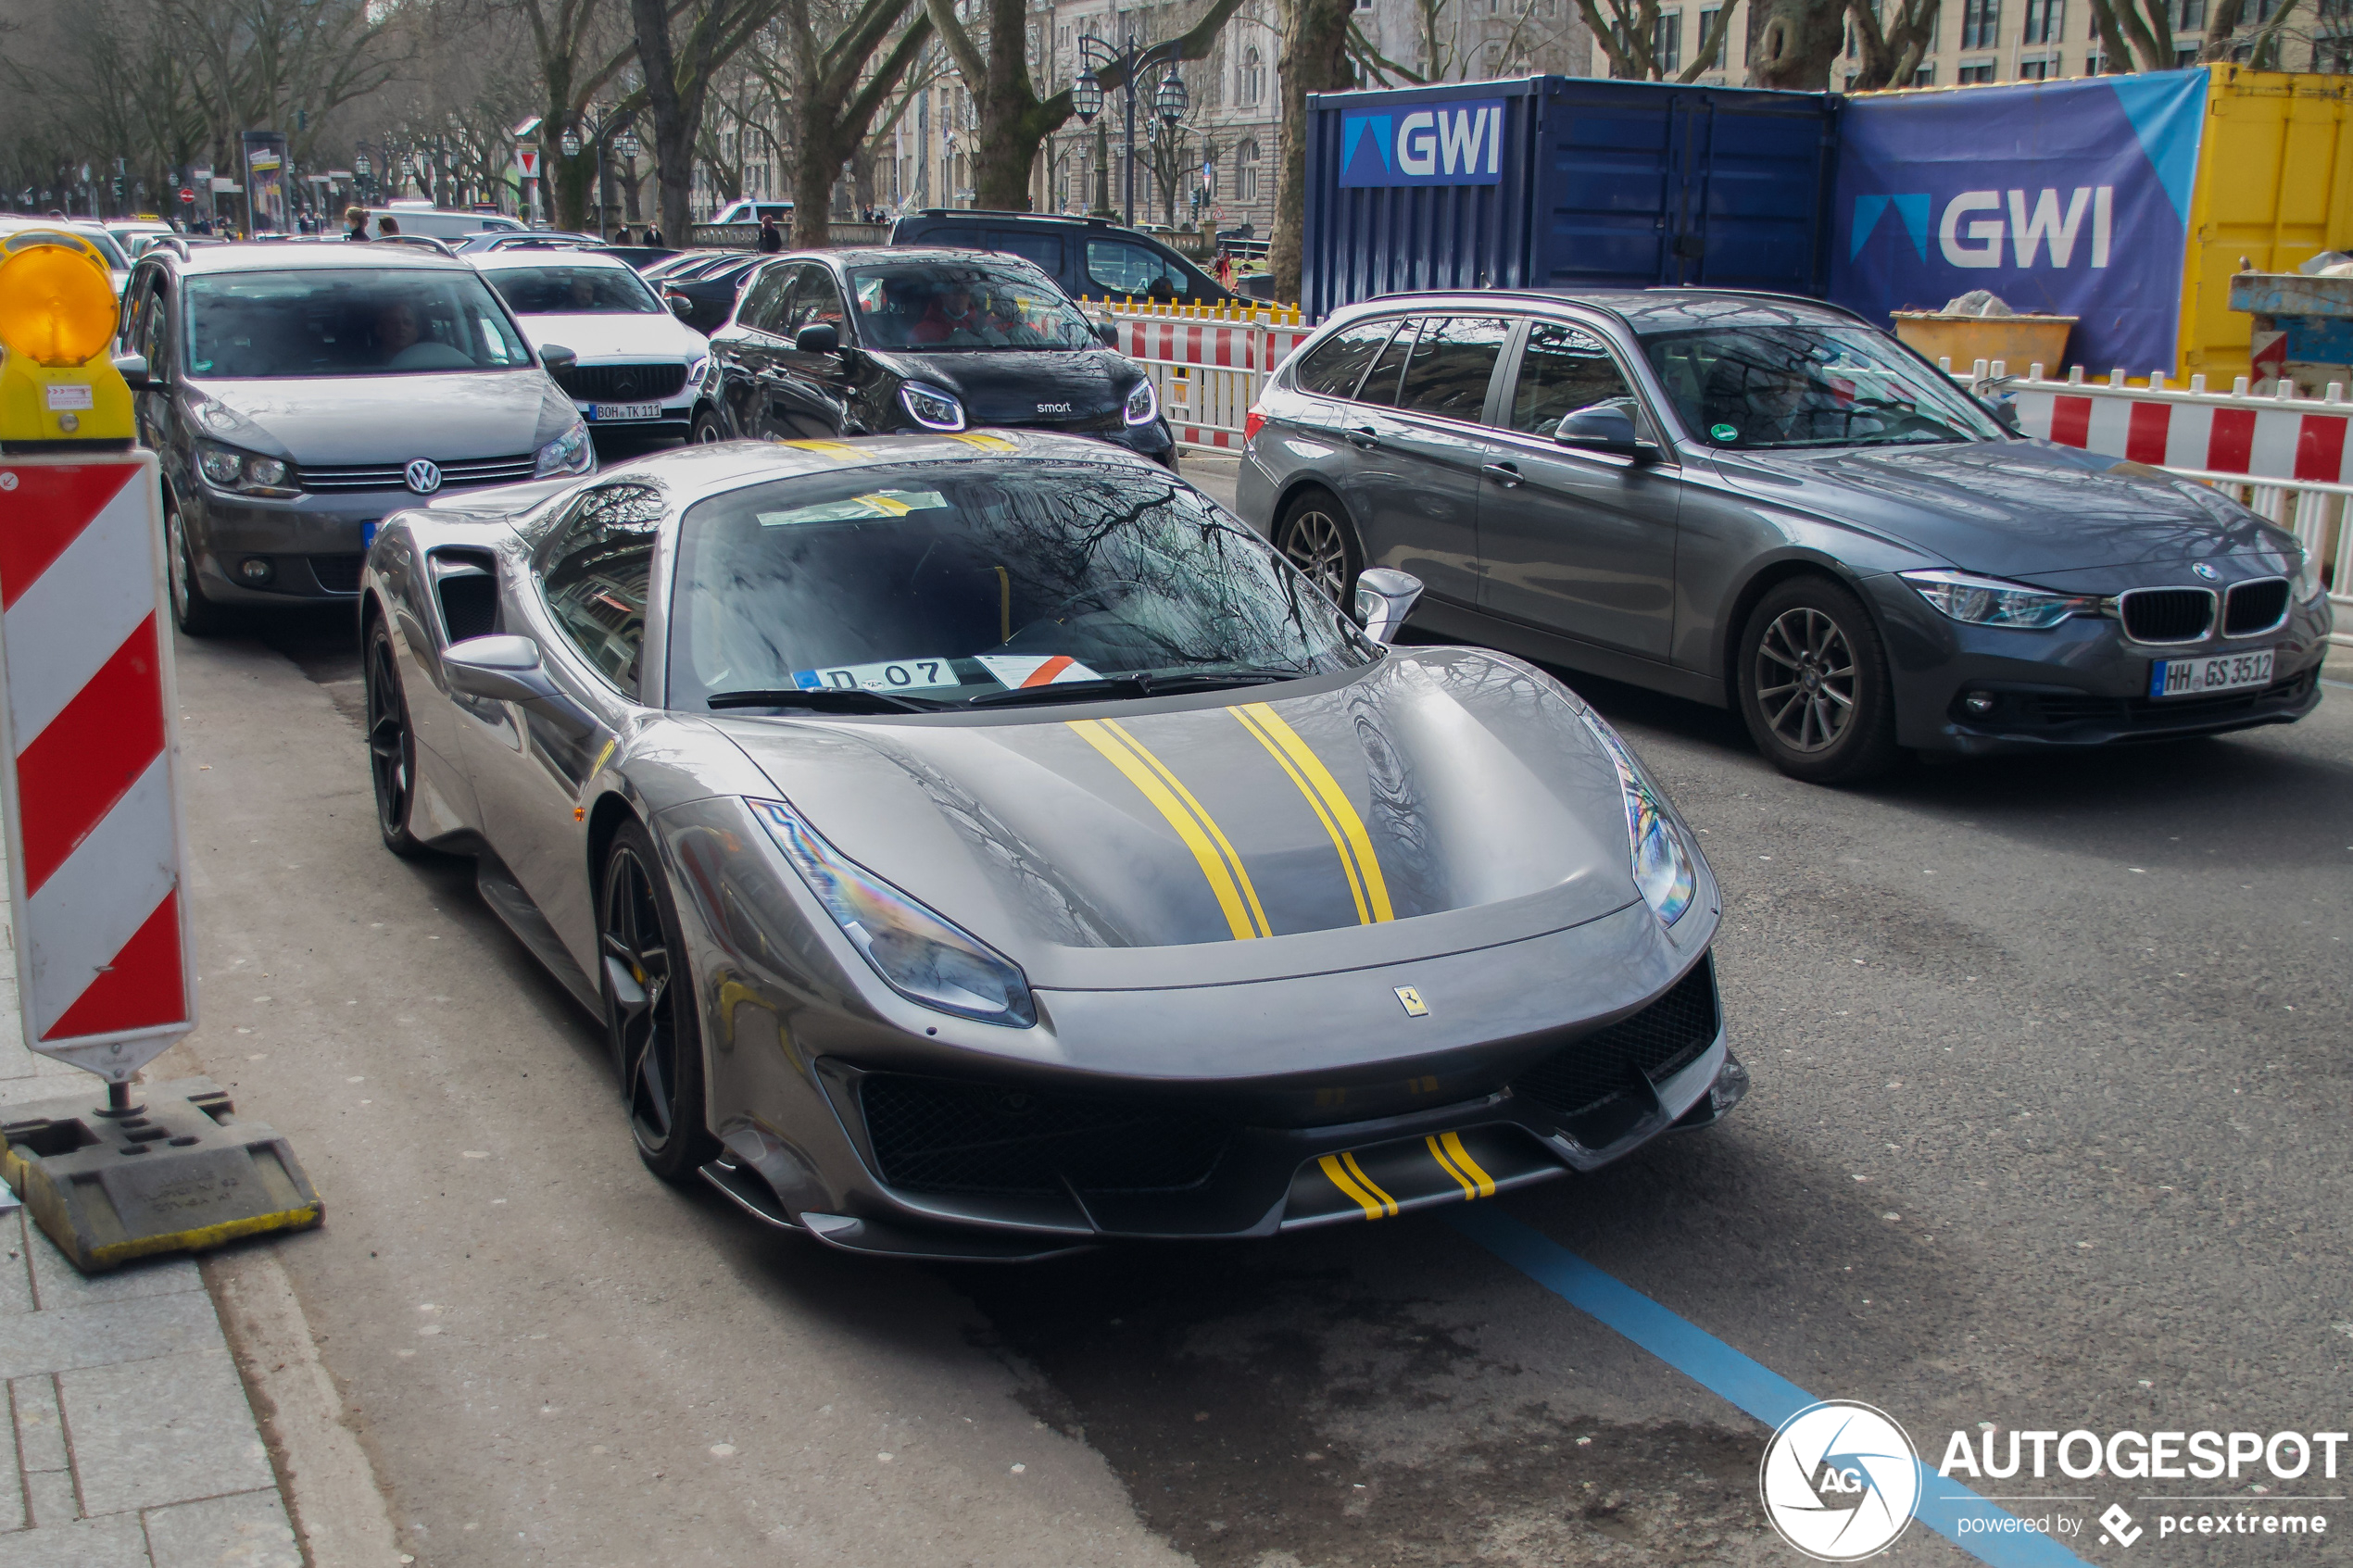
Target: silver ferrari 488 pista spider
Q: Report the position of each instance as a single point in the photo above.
(983, 846)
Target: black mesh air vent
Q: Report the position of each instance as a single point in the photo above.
(931, 1135)
(1661, 1039)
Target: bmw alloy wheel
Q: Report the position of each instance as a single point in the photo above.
(1806, 679)
(1315, 542)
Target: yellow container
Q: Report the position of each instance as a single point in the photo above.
(2274, 186)
(2021, 342)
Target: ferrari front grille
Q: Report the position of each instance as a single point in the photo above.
(1660, 1040)
(935, 1134)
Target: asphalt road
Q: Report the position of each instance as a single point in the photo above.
(2048, 1131)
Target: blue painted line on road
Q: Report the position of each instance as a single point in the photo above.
(1750, 1384)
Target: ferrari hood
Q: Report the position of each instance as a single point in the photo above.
(2008, 509)
(1449, 797)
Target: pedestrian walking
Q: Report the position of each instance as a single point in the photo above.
(1225, 272)
(621, 235)
(653, 235)
(770, 239)
(386, 225)
(356, 223)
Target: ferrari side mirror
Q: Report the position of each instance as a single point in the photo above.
(1384, 596)
(497, 669)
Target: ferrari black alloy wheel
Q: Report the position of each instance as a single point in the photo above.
(650, 1010)
(392, 748)
(1315, 536)
(1814, 684)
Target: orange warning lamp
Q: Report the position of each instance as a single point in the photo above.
(57, 387)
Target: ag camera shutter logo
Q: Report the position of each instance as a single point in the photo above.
(1840, 1481)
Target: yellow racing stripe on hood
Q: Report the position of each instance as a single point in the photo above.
(1315, 804)
(1222, 868)
(1356, 856)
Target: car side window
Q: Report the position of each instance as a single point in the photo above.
(1338, 362)
(816, 301)
(1380, 381)
(153, 335)
(1045, 249)
(1452, 363)
(1562, 370)
(764, 306)
(596, 571)
(1119, 267)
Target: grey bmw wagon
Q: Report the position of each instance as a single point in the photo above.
(298, 393)
(1769, 504)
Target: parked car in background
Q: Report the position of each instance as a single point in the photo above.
(749, 211)
(117, 263)
(841, 343)
(636, 367)
(1766, 503)
(441, 223)
(297, 394)
(706, 300)
(684, 264)
(484, 240)
(1090, 257)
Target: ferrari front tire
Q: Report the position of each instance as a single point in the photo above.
(392, 744)
(650, 1018)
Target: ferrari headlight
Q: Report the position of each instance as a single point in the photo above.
(1143, 404)
(922, 956)
(1987, 601)
(246, 473)
(568, 453)
(1663, 868)
(931, 408)
(2309, 583)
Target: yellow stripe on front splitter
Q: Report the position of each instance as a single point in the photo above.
(1366, 1182)
(1340, 1178)
(1234, 860)
(1315, 804)
(1451, 1153)
(1146, 773)
(1470, 1190)
(1335, 799)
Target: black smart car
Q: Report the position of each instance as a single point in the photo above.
(828, 343)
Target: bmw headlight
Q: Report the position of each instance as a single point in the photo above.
(246, 473)
(1663, 868)
(1988, 601)
(931, 408)
(2310, 584)
(1143, 404)
(922, 956)
(568, 453)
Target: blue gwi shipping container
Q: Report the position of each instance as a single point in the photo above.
(1554, 182)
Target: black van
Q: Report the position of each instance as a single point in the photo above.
(1089, 256)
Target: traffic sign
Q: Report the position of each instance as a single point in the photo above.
(527, 160)
(187, 195)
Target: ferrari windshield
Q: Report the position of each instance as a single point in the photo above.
(1809, 386)
(936, 307)
(946, 583)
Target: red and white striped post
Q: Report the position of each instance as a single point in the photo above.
(88, 750)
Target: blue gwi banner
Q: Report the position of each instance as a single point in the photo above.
(2069, 198)
(1449, 142)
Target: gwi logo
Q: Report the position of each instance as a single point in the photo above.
(1452, 141)
(2060, 226)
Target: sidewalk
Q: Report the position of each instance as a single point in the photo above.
(136, 1446)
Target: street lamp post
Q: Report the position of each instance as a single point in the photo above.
(1130, 60)
(624, 144)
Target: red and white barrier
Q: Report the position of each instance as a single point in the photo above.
(1207, 363)
(87, 749)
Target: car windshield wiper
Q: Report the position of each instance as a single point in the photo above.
(824, 700)
(1142, 682)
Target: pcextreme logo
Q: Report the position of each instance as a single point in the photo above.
(1840, 1481)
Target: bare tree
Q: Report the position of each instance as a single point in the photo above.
(1792, 42)
(1891, 49)
(677, 82)
(836, 95)
(1317, 57)
(1013, 120)
(1628, 34)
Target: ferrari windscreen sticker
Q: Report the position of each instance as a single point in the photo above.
(1035, 669)
(857, 509)
(897, 674)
